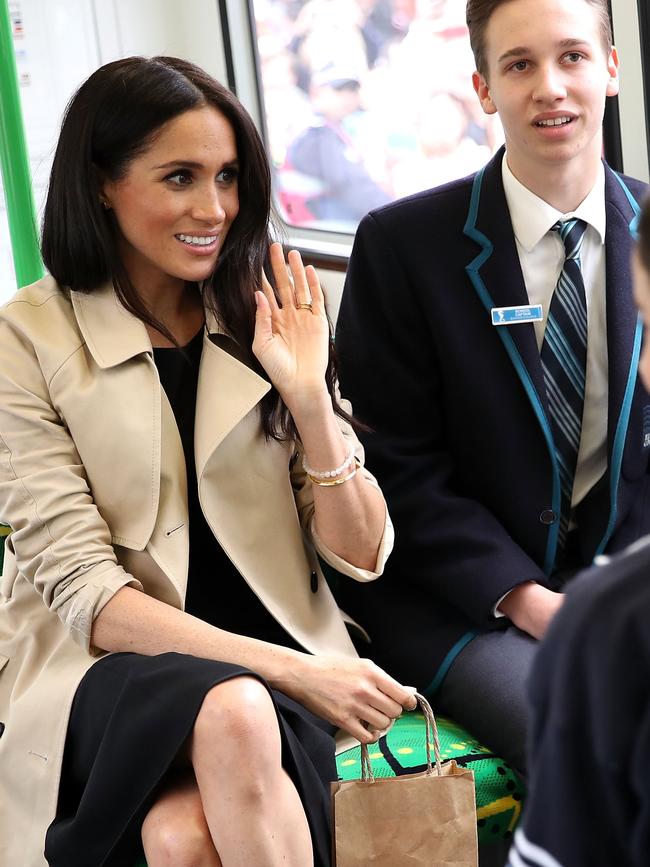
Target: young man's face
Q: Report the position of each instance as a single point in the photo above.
(548, 74)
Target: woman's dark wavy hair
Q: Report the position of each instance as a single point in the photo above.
(113, 117)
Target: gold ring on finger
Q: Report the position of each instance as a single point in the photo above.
(304, 305)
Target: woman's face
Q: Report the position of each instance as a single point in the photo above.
(177, 201)
(642, 296)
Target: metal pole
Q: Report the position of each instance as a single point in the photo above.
(14, 163)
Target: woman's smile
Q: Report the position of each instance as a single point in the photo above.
(199, 245)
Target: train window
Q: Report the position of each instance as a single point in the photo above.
(365, 101)
(644, 28)
(626, 141)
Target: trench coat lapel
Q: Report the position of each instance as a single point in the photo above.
(227, 391)
(131, 404)
(112, 334)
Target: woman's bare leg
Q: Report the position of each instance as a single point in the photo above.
(252, 808)
(174, 832)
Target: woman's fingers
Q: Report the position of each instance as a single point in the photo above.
(385, 685)
(403, 695)
(379, 699)
(315, 291)
(269, 294)
(368, 723)
(301, 289)
(297, 285)
(376, 720)
(283, 279)
(263, 321)
(355, 727)
(386, 705)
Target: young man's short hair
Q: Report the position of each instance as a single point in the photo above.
(479, 12)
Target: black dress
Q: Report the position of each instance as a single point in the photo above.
(132, 714)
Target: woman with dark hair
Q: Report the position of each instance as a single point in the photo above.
(173, 458)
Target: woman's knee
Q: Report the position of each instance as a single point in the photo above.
(237, 713)
(175, 832)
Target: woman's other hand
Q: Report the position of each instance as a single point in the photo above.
(353, 694)
(291, 342)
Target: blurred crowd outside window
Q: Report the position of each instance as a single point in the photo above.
(366, 101)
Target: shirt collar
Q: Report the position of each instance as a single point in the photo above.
(532, 217)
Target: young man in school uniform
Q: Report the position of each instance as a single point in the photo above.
(509, 431)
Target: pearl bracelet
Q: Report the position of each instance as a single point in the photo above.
(328, 474)
(331, 482)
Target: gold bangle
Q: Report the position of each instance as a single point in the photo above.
(331, 482)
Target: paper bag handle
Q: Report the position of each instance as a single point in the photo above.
(431, 736)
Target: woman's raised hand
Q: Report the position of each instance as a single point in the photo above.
(353, 694)
(291, 339)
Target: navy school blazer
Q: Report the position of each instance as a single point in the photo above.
(461, 442)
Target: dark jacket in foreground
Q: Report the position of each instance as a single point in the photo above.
(588, 800)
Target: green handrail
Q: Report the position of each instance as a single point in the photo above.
(14, 163)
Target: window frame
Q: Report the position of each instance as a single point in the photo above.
(321, 248)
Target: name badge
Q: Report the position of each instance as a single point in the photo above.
(515, 315)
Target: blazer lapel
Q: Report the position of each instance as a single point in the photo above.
(622, 314)
(624, 332)
(496, 276)
(497, 270)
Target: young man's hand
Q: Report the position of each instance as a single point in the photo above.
(531, 607)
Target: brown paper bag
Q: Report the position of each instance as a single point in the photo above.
(427, 818)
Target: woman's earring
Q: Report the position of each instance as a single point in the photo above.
(105, 204)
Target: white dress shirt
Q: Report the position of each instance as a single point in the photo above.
(541, 255)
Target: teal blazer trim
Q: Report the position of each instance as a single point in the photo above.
(634, 222)
(624, 416)
(477, 281)
(447, 661)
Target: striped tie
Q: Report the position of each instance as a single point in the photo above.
(564, 358)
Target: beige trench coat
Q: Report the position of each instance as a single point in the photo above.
(92, 481)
